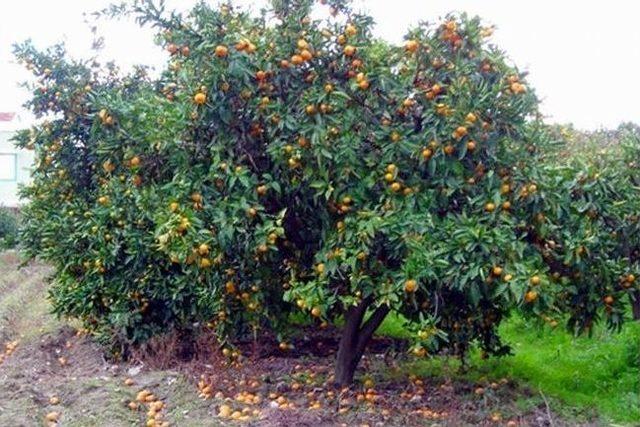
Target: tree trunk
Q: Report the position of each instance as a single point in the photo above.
(355, 338)
(634, 298)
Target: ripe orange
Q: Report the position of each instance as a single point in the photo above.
(350, 30)
(449, 149)
(230, 287)
(506, 205)
(461, 131)
(203, 249)
(471, 145)
(349, 50)
(297, 60)
(261, 190)
(53, 417)
(411, 46)
(135, 161)
(395, 187)
(608, 300)
(427, 153)
(316, 312)
(200, 98)
(490, 207)
(410, 286)
(172, 48)
(364, 85)
(531, 296)
(535, 280)
(306, 55)
(497, 271)
(221, 51)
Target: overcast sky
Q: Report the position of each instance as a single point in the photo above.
(583, 56)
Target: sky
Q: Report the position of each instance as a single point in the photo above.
(583, 56)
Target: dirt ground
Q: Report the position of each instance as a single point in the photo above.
(48, 369)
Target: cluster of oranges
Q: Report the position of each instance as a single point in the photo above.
(515, 86)
(154, 406)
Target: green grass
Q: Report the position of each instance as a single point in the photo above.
(601, 372)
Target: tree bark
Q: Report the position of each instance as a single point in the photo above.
(634, 298)
(354, 340)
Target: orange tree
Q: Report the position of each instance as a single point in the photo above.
(596, 235)
(281, 164)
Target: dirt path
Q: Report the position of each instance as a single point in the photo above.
(52, 369)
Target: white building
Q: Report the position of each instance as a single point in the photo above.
(14, 163)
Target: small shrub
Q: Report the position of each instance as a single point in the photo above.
(8, 228)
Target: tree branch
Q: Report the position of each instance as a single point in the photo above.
(370, 327)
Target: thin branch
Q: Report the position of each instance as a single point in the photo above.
(546, 404)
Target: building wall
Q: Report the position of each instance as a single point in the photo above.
(14, 169)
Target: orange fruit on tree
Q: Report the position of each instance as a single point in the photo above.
(531, 296)
(350, 30)
(411, 46)
(203, 249)
(364, 84)
(200, 98)
(349, 50)
(306, 55)
(221, 51)
(410, 286)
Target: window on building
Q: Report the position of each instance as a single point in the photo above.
(8, 163)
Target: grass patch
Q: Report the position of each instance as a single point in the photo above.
(601, 372)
